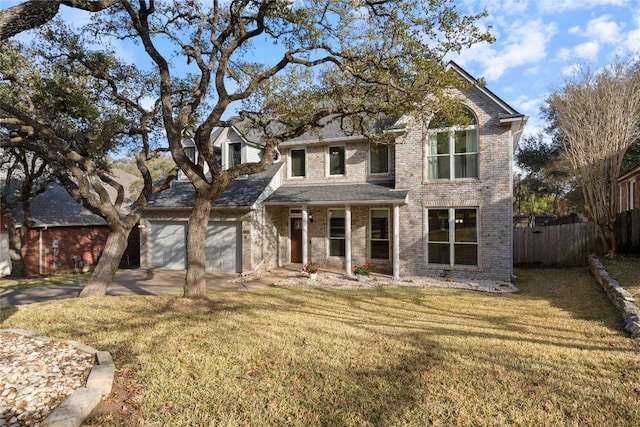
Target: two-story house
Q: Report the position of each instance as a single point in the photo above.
(438, 201)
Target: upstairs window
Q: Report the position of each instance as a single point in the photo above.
(452, 148)
(378, 158)
(336, 160)
(298, 166)
(235, 154)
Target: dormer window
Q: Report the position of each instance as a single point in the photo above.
(235, 154)
(452, 148)
(190, 152)
(189, 147)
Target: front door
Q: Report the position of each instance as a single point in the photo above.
(295, 227)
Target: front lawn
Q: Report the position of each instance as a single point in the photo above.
(555, 354)
(9, 283)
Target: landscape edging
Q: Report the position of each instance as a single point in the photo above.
(620, 297)
(76, 407)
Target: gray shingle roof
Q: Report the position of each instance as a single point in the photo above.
(243, 192)
(55, 207)
(337, 193)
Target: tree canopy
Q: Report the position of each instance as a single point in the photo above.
(284, 67)
(596, 117)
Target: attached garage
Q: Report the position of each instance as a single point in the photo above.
(223, 249)
(167, 245)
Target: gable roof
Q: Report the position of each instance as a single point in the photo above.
(244, 192)
(508, 112)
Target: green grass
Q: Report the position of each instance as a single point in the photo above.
(554, 354)
(626, 270)
(7, 283)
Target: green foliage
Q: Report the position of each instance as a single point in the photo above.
(159, 165)
(545, 185)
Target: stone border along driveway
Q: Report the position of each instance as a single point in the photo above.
(622, 299)
(77, 406)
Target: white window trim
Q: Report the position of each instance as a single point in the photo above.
(389, 232)
(226, 153)
(632, 194)
(329, 238)
(388, 162)
(452, 155)
(328, 161)
(452, 237)
(188, 143)
(290, 163)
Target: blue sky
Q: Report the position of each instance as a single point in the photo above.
(538, 44)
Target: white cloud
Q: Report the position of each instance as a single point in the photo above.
(570, 70)
(564, 54)
(525, 44)
(604, 29)
(588, 50)
(555, 6)
(574, 30)
(633, 41)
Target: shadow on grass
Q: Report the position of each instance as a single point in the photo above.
(572, 290)
(6, 312)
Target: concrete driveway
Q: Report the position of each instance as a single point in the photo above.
(140, 282)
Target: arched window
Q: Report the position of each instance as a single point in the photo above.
(452, 147)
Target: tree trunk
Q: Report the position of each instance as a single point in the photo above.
(195, 285)
(107, 264)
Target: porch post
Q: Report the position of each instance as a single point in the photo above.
(347, 239)
(305, 238)
(396, 241)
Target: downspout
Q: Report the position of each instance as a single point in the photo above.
(40, 249)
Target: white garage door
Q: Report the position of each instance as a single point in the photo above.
(223, 249)
(167, 245)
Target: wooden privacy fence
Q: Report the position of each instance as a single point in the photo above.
(565, 245)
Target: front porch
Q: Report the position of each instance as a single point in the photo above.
(312, 224)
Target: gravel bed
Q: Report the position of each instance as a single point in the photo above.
(333, 280)
(36, 374)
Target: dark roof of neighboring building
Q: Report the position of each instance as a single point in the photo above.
(243, 192)
(337, 193)
(632, 172)
(55, 207)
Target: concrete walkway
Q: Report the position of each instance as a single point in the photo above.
(141, 282)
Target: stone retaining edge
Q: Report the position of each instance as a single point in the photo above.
(620, 297)
(76, 407)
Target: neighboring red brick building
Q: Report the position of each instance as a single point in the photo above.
(5, 260)
(628, 194)
(48, 250)
(67, 237)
